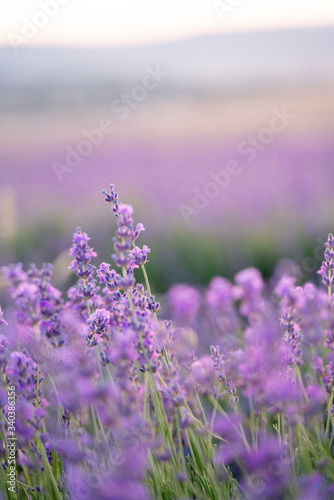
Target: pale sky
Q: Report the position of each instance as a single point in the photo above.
(92, 23)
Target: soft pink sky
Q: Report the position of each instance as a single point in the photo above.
(127, 22)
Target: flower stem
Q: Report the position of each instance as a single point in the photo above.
(329, 414)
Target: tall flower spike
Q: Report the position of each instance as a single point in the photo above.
(98, 323)
(126, 234)
(3, 341)
(218, 365)
(327, 267)
(139, 257)
(2, 319)
(111, 197)
(82, 254)
(85, 289)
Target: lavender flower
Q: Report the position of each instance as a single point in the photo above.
(267, 468)
(113, 280)
(184, 302)
(249, 289)
(312, 305)
(219, 294)
(218, 365)
(2, 319)
(83, 255)
(4, 342)
(126, 234)
(21, 371)
(14, 274)
(139, 257)
(111, 197)
(327, 267)
(329, 341)
(152, 305)
(172, 390)
(84, 294)
(293, 338)
(98, 323)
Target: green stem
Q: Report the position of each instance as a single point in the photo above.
(179, 438)
(252, 421)
(109, 374)
(99, 362)
(329, 413)
(223, 412)
(301, 383)
(330, 288)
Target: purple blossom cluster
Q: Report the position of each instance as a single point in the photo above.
(231, 396)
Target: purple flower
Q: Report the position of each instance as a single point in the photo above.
(84, 295)
(126, 233)
(219, 294)
(268, 470)
(228, 427)
(14, 274)
(293, 338)
(111, 197)
(4, 342)
(203, 375)
(327, 373)
(123, 352)
(113, 280)
(327, 267)
(21, 371)
(329, 341)
(98, 323)
(152, 305)
(107, 277)
(24, 422)
(53, 330)
(122, 480)
(37, 301)
(250, 282)
(249, 289)
(27, 301)
(314, 487)
(2, 319)
(286, 287)
(313, 308)
(221, 312)
(172, 390)
(139, 257)
(218, 365)
(82, 254)
(124, 236)
(184, 302)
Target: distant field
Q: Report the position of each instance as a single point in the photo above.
(156, 157)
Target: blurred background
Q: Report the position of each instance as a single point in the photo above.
(159, 98)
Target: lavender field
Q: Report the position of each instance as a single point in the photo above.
(279, 201)
(262, 101)
(158, 412)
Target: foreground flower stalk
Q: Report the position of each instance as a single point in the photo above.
(229, 396)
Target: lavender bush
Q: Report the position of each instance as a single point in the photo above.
(101, 399)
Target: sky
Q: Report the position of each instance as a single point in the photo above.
(93, 23)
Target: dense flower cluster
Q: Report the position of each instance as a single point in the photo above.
(233, 398)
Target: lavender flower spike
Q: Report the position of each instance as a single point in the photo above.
(111, 197)
(98, 323)
(327, 267)
(126, 234)
(2, 320)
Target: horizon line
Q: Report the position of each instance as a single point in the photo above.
(249, 31)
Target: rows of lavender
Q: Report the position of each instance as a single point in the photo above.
(105, 400)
